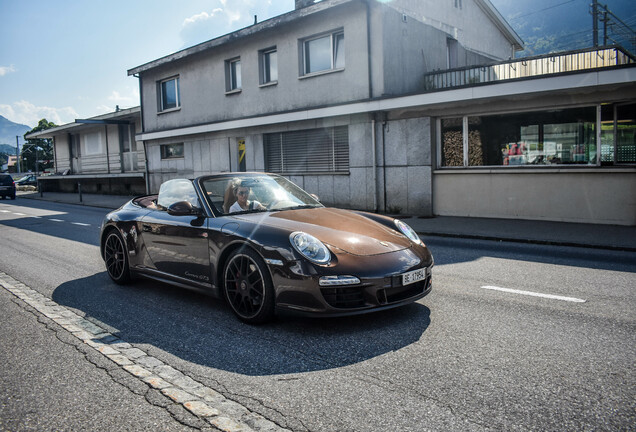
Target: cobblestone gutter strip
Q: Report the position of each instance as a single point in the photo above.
(204, 402)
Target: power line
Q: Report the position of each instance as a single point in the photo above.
(541, 10)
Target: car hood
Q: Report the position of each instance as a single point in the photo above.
(340, 229)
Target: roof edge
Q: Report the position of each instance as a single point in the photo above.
(501, 23)
(238, 34)
(48, 133)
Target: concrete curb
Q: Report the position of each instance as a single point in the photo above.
(201, 401)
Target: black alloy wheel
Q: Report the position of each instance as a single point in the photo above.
(248, 287)
(116, 258)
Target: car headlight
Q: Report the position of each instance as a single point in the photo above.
(310, 247)
(408, 231)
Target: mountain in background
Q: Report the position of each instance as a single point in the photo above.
(8, 132)
(562, 25)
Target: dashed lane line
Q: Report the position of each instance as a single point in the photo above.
(204, 402)
(534, 294)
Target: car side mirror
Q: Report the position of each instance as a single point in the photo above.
(183, 208)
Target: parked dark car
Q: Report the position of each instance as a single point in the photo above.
(28, 180)
(7, 186)
(264, 244)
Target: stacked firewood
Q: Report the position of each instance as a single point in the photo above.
(475, 149)
(454, 149)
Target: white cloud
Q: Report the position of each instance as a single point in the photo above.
(24, 112)
(229, 17)
(4, 70)
(131, 98)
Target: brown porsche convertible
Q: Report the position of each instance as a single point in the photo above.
(264, 244)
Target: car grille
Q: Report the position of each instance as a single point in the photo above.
(399, 293)
(344, 297)
(354, 297)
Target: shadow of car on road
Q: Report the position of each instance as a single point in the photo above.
(202, 330)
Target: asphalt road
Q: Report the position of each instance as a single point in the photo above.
(470, 356)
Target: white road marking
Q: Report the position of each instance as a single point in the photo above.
(57, 220)
(534, 294)
(5, 211)
(80, 224)
(19, 214)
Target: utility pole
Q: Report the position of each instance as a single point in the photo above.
(595, 22)
(17, 153)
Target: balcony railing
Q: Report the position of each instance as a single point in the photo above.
(557, 63)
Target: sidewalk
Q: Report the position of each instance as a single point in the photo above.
(598, 236)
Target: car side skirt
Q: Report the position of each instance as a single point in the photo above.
(177, 281)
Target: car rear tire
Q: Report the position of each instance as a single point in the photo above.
(116, 258)
(248, 288)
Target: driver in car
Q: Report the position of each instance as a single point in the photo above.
(242, 203)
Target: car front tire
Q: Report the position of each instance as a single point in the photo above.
(116, 258)
(248, 288)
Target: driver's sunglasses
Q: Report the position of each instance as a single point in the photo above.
(243, 192)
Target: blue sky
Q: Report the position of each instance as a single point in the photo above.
(68, 59)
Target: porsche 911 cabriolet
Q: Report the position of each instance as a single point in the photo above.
(265, 245)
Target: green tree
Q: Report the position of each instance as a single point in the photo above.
(39, 149)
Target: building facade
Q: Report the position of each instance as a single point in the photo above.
(97, 155)
(410, 106)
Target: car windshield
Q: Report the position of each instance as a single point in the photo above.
(244, 193)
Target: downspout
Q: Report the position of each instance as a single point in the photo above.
(370, 79)
(374, 145)
(55, 155)
(384, 156)
(107, 152)
(374, 139)
(143, 143)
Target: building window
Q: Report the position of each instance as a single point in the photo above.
(618, 134)
(458, 4)
(172, 151)
(93, 144)
(233, 75)
(268, 60)
(169, 97)
(542, 138)
(308, 151)
(324, 53)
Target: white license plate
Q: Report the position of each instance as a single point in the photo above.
(413, 276)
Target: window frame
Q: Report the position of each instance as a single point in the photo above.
(334, 50)
(599, 162)
(163, 151)
(233, 80)
(265, 70)
(161, 108)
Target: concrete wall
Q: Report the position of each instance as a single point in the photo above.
(470, 26)
(407, 166)
(202, 76)
(405, 163)
(62, 155)
(604, 196)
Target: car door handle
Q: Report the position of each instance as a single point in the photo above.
(146, 228)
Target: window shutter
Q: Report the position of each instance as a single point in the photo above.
(308, 151)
